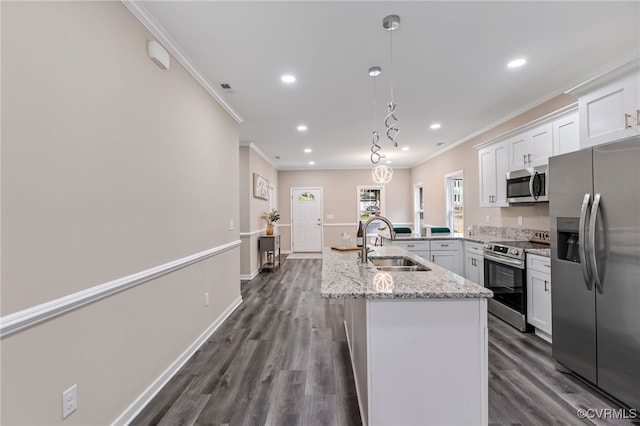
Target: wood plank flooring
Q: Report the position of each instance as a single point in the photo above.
(281, 359)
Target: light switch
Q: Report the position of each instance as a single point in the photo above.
(231, 225)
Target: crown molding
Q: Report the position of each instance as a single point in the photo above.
(140, 12)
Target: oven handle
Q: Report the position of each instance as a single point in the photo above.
(582, 241)
(498, 259)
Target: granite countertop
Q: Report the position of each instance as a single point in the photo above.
(476, 238)
(344, 276)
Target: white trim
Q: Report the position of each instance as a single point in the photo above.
(606, 77)
(249, 277)
(138, 405)
(140, 12)
(45, 311)
(249, 234)
(528, 125)
(259, 152)
(284, 225)
(504, 135)
(355, 224)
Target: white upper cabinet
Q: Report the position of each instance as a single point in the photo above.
(531, 148)
(493, 166)
(566, 134)
(609, 106)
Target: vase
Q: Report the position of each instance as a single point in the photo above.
(269, 229)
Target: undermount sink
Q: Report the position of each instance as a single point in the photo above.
(397, 264)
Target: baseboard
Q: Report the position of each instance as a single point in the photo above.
(138, 405)
(249, 277)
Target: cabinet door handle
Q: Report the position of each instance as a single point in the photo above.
(410, 245)
(444, 245)
(638, 117)
(433, 257)
(546, 285)
(524, 158)
(626, 121)
(529, 158)
(546, 265)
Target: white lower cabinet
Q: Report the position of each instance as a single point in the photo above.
(448, 254)
(474, 263)
(539, 294)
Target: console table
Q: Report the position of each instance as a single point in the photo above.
(269, 248)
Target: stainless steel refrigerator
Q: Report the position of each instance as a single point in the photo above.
(594, 206)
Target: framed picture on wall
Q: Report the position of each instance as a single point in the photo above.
(260, 187)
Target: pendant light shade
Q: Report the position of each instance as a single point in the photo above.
(382, 174)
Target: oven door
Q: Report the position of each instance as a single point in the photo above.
(506, 278)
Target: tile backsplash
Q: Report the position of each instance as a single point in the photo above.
(508, 233)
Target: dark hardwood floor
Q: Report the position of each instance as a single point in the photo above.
(282, 359)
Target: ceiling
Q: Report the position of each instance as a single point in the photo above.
(449, 67)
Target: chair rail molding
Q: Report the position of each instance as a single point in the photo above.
(19, 320)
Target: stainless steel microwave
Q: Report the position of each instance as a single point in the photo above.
(530, 185)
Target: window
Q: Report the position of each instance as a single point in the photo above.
(306, 196)
(370, 202)
(418, 207)
(455, 202)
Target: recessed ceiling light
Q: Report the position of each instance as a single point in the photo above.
(375, 71)
(307, 150)
(405, 148)
(302, 128)
(517, 63)
(311, 163)
(435, 126)
(288, 78)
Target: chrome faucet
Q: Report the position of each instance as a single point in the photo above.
(363, 254)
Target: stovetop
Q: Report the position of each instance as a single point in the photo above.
(522, 244)
(512, 249)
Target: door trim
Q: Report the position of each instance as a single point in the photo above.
(306, 188)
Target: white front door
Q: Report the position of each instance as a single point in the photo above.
(306, 219)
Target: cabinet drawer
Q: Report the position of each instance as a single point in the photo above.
(445, 245)
(539, 263)
(413, 245)
(475, 248)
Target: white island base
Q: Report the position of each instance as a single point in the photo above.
(419, 361)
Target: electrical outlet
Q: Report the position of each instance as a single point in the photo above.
(69, 401)
(231, 225)
(519, 220)
(206, 299)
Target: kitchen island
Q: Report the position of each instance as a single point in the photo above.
(418, 340)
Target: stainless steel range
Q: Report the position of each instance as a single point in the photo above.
(505, 274)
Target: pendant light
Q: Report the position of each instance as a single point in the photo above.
(375, 136)
(382, 174)
(391, 23)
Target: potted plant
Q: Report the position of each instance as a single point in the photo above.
(272, 217)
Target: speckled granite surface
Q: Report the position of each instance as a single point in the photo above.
(344, 276)
(484, 234)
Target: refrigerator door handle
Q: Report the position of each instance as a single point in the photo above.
(582, 240)
(592, 241)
